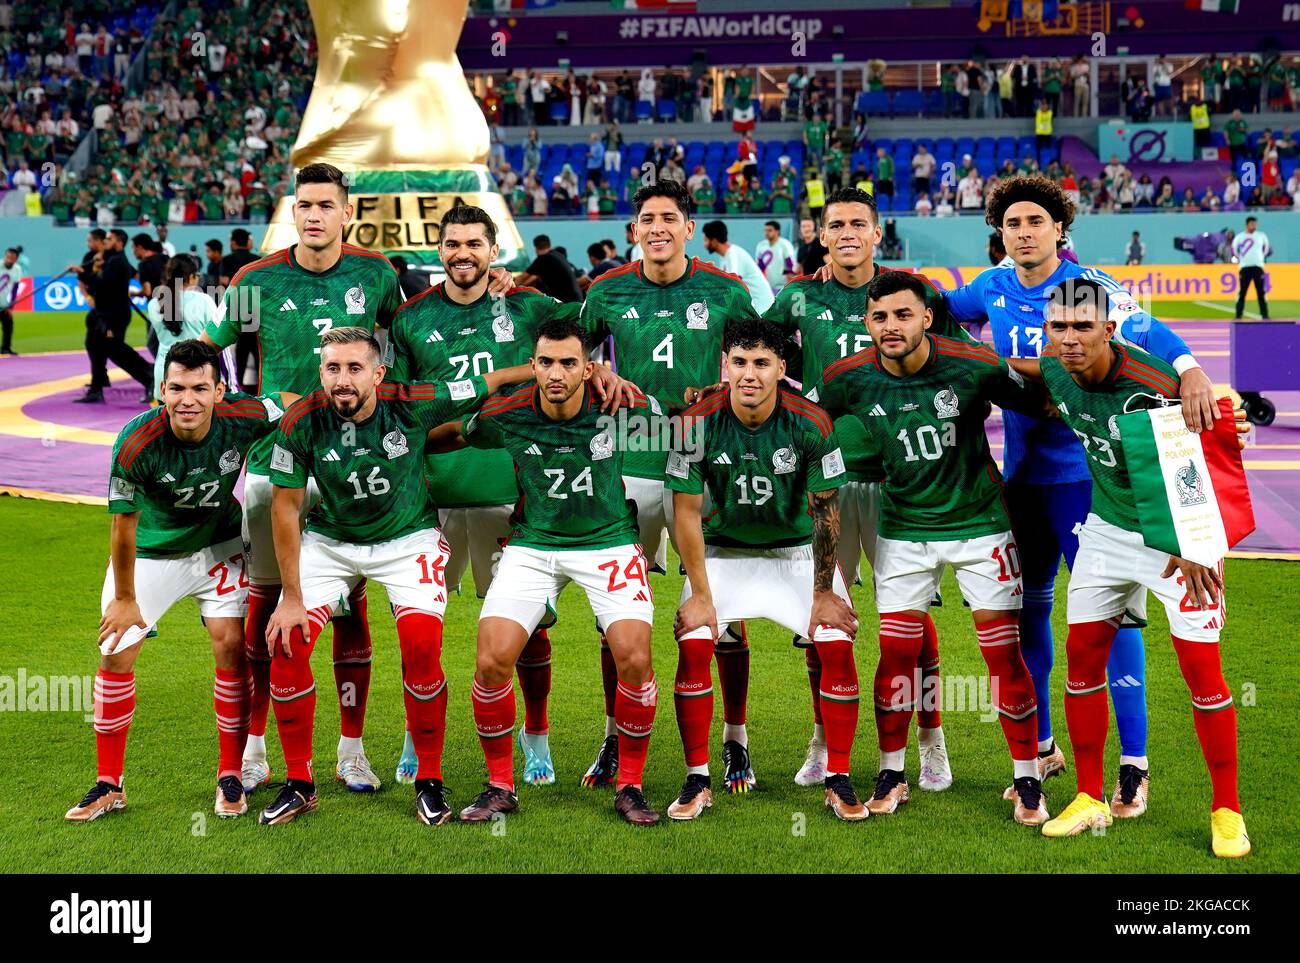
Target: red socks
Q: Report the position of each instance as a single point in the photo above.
(1087, 707)
(634, 713)
(534, 668)
(930, 695)
(424, 687)
(814, 663)
(231, 694)
(608, 677)
(114, 710)
(838, 694)
(1013, 688)
(494, 717)
(733, 677)
(293, 696)
(352, 664)
(693, 697)
(262, 600)
(1215, 717)
(895, 682)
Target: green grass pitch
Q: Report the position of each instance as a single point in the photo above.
(51, 581)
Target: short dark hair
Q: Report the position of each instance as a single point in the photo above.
(716, 231)
(996, 246)
(851, 195)
(891, 282)
(542, 240)
(213, 245)
(560, 328)
(1077, 292)
(192, 354)
(321, 173)
(398, 262)
(98, 233)
(146, 241)
(240, 236)
(772, 224)
(664, 187)
(751, 333)
(1035, 188)
(1252, 218)
(468, 214)
(609, 244)
(596, 249)
(120, 234)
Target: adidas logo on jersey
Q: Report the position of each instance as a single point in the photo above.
(1001, 302)
(289, 305)
(722, 459)
(631, 315)
(532, 450)
(876, 411)
(332, 456)
(166, 479)
(640, 597)
(436, 336)
(826, 316)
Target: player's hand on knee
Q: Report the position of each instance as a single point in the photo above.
(696, 613)
(288, 615)
(1202, 584)
(1196, 392)
(834, 611)
(120, 615)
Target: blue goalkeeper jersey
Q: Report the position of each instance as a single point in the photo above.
(1044, 451)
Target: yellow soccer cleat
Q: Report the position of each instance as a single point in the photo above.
(1084, 813)
(1228, 834)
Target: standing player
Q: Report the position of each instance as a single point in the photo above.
(569, 526)
(1048, 487)
(176, 534)
(1094, 380)
(666, 315)
(363, 442)
(922, 400)
(827, 311)
(769, 460)
(290, 298)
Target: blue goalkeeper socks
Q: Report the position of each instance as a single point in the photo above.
(1126, 671)
(1036, 648)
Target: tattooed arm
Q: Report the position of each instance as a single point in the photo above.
(828, 609)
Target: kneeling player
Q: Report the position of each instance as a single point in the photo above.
(363, 442)
(922, 400)
(176, 534)
(766, 456)
(573, 523)
(1093, 380)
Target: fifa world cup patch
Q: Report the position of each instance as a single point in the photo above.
(832, 464)
(281, 459)
(395, 444)
(273, 411)
(784, 461)
(119, 489)
(460, 390)
(677, 465)
(355, 300)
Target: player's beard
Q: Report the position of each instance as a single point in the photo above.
(347, 407)
(480, 270)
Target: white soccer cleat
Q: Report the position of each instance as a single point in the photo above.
(254, 773)
(355, 773)
(539, 770)
(936, 773)
(813, 770)
(408, 765)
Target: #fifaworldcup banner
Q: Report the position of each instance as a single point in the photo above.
(61, 295)
(1190, 489)
(1162, 282)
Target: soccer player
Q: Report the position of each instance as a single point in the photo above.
(827, 311)
(666, 315)
(363, 441)
(451, 331)
(570, 526)
(290, 298)
(922, 399)
(176, 534)
(1048, 487)
(1093, 379)
(771, 463)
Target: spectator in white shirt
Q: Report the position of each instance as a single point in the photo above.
(735, 260)
(922, 169)
(217, 57)
(775, 256)
(970, 191)
(944, 208)
(24, 177)
(923, 205)
(85, 41)
(1293, 187)
(1114, 168)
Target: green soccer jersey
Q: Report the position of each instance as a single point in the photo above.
(290, 307)
(370, 473)
(434, 338)
(1136, 381)
(569, 472)
(830, 320)
(667, 338)
(758, 478)
(185, 492)
(927, 429)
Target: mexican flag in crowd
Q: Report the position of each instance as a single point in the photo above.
(1190, 489)
(1213, 6)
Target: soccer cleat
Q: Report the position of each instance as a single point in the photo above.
(936, 773)
(538, 768)
(355, 773)
(231, 798)
(1051, 763)
(1228, 834)
(1084, 813)
(1132, 786)
(1031, 804)
(602, 772)
(696, 796)
(630, 803)
(891, 792)
(431, 802)
(492, 800)
(297, 797)
(408, 765)
(738, 772)
(813, 770)
(843, 801)
(254, 773)
(103, 798)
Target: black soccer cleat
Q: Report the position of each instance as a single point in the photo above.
(603, 771)
(296, 798)
(630, 803)
(431, 802)
(738, 771)
(492, 800)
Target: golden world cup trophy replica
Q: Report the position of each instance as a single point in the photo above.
(390, 107)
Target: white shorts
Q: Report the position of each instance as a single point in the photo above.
(259, 546)
(475, 536)
(213, 577)
(654, 517)
(411, 568)
(529, 582)
(1112, 573)
(774, 584)
(859, 520)
(987, 570)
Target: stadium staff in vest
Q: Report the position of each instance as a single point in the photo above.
(1200, 123)
(1043, 126)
